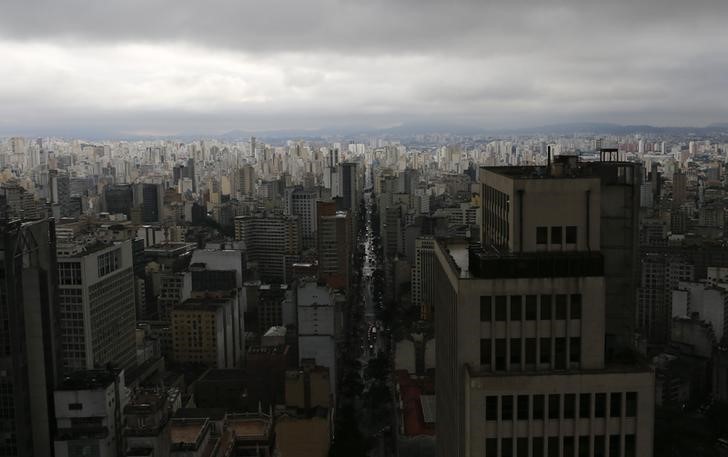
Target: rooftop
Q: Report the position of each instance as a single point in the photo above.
(88, 380)
(249, 426)
(187, 431)
(476, 262)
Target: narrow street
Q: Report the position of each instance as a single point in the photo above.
(366, 398)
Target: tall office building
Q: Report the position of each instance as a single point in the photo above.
(97, 307)
(423, 275)
(119, 199)
(29, 358)
(269, 239)
(521, 324)
(679, 188)
(335, 245)
(350, 188)
(246, 180)
(302, 203)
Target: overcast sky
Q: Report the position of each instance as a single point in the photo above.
(161, 67)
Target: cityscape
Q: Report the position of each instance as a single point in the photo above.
(404, 228)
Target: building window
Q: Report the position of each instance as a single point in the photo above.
(554, 410)
(109, 262)
(569, 406)
(542, 235)
(507, 407)
(570, 234)
(485, 351)
(560, 312)
(491, 447)
(537, 446)
(584, 406)
(507, 447)
(538, 407)
(531, 351)
(491, 408)
(575, 306)
(522, 447)
(600, 405)
(516, 308)
(575, 349)
(568, 448)
(556, 237)
(531, 308)
(614, 445)
(515, 351)
(545, 350)
(599, 447)
(553, 446)
(486, 309)
(560, 353)
(500, 354)
(584, 450)
(522, 407)
(545, 307)
(630, 448)
(631, 398)
(615, 404)
(501, 312)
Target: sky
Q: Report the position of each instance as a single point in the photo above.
(167, 67)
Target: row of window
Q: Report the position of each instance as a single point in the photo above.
(557, 235)
(560, 406)
(530, 307)
(530, 351)
(566, 447)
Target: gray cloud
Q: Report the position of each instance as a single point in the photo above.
(186, 65)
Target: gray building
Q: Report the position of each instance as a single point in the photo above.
(521, 322)
(97, 307)
(29, 358)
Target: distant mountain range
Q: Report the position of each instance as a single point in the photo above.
(408, 130)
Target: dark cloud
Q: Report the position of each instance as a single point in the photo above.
(190, 65)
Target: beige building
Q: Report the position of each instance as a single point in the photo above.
(208, 330)
(521, 323)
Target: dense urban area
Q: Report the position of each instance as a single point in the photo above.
(522, 296)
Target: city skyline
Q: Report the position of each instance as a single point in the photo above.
(74, 69)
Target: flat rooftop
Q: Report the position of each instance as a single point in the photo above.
(475, 262)
(88, 380)
(186, 431)
(248, 427)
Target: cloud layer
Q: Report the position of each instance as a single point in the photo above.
(164, 67)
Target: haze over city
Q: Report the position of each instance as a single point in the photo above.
(163, 68)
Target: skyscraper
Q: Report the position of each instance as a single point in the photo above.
(521, 323)
(97, 307)
(334, 248)
(29, 358)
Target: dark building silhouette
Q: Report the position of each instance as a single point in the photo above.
(29, 359)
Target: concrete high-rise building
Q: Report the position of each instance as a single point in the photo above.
(350, 188)
(319, 326)
(97, 307)
(29, 347)
(246, 180)
(302, 203)
(89, 419)
(208, 329)
(335, 245)
(679, 188)
(119, 199)
(423, 276)
(521, 323)
(269, 240)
